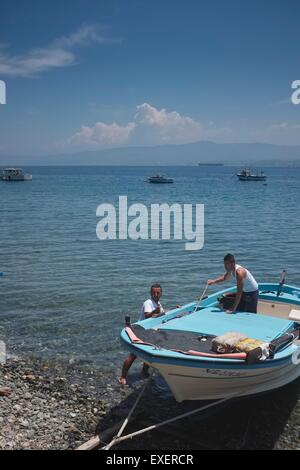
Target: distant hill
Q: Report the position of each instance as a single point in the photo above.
(185, 154)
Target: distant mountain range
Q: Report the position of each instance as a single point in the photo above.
(184, 154)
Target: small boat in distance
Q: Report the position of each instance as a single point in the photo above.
(15, 174)
(159, 178)
(248, 175)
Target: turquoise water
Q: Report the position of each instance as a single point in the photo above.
(65, 293)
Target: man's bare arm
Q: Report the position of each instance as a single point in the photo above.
(223, 278)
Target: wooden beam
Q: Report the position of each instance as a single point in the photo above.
(91, 444)
(99, 440)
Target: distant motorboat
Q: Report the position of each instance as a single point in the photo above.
(15, 174)
(159, 178)
(248, 175)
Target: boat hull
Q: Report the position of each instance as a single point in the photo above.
(188, 383)
(160, 182)
(251, 178)
(17, 178)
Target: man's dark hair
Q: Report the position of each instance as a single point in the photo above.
(229, 257)
(155, 286)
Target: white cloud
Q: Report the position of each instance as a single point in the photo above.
(150, 126)
(57, 54)
(277, 133)
(167, 126)
(283, 127)
(279, 127)
(280, 102)
(35, 61)
(101, 135)
(85, 35)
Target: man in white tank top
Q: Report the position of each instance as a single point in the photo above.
(247, 287)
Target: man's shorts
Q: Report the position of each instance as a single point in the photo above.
(248, 302)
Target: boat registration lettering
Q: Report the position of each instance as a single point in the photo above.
(296, 357)
(225, 373)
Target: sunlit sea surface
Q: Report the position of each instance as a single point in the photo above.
(64, 294)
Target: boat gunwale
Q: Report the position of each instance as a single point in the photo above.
(153, 355)
(184, 360)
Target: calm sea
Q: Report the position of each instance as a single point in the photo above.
(65, 293)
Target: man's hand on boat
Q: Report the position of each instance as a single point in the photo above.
(158, 312)
(230, 311)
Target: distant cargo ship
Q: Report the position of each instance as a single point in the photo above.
(210, 164)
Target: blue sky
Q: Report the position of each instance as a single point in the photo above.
(88, 75)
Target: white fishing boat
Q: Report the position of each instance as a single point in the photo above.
(248, 175)
(15, 174)
(181, 345)
(160, 178)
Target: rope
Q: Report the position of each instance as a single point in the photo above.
(163, 423)
(200, 300)
(118, 436)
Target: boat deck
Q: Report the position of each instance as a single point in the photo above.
(210, 320)
(213, 321)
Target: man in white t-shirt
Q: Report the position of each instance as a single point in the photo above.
(151, 308)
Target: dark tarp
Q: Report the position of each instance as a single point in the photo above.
(176, 340)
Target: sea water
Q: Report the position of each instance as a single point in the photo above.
(65, 293)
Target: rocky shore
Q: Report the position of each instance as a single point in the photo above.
(50, 405)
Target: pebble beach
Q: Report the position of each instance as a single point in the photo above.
(49, 406)
(52, 405)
